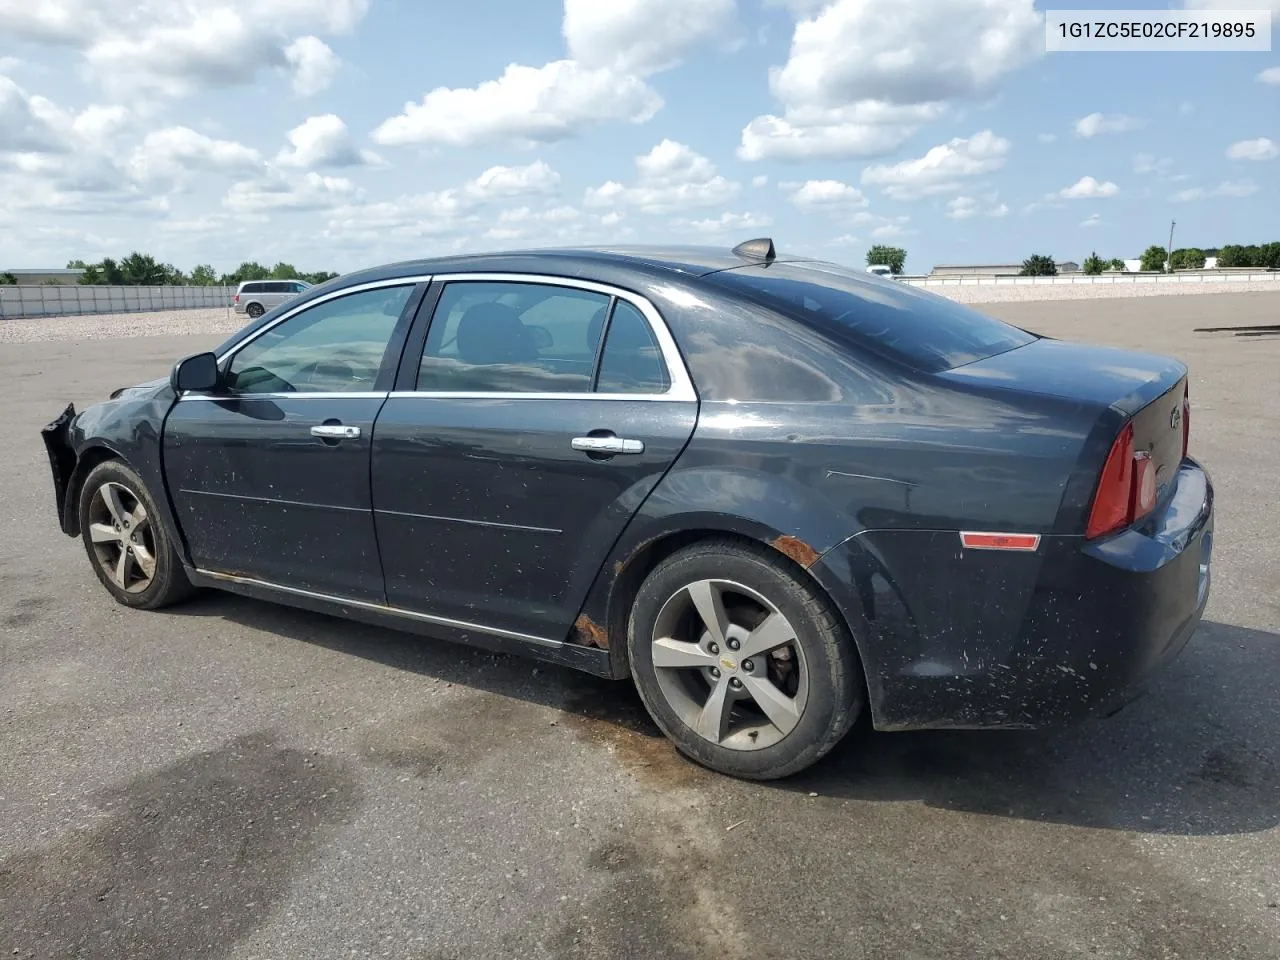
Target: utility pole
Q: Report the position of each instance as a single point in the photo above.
(1170, 261)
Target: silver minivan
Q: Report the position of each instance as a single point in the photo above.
(256, 297)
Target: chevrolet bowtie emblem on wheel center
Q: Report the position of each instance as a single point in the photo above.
(728, 664)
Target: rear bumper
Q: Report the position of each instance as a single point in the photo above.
(62, 459)
(992, 639)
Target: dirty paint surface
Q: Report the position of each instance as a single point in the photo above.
(238, 780)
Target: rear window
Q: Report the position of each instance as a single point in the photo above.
(891, 318)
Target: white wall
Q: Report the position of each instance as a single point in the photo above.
(51, 301)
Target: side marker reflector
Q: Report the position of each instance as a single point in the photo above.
(1026, 542)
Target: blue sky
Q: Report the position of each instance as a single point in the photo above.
(341, 133)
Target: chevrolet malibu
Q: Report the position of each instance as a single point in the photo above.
(773, 492)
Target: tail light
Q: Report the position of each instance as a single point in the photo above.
(236, 299)
(1126, 490)
(1186, 420)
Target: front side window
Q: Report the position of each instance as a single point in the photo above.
(333, 347)
(513, 338)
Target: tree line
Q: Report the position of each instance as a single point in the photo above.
(143, 270)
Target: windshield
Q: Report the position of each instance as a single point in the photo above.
(921, 330)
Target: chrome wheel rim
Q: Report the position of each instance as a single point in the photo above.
(729, 665)
(122, 536)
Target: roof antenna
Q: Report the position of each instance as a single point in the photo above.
(761, 249)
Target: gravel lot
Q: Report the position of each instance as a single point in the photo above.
(237, 780)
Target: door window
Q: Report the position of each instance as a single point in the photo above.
(334, 347)
(513, 338)
(632, 360)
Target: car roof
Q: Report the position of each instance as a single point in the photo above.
(601, 262)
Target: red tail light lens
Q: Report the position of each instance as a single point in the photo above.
(1113, 502)
(1126, 490)
(237, 299)
(1186, 421)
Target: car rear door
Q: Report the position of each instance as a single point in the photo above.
(269, 475)
(532, 417)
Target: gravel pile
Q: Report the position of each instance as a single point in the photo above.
(103, 326)
(222, 322)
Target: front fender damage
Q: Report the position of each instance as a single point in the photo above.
(62, 460)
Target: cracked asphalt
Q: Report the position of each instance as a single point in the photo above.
(231, 779)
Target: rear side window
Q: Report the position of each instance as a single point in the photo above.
(632, 359)
(923, 331)
(253, 288)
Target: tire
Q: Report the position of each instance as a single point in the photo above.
(811, 682)
(254, 310)
(130, 551)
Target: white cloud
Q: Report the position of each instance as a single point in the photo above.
(865, 129)
(1270, 75)
(1047, 137)
(1260, 149)
(312, 191)
(1093, 220)
(760, 180)
(176, 150)
(887, 231)
(164, 48)
(827, 194)
(844, 240)
(1272, 5)
(1228, 188)
(1088, 188)
(728, 223)
(1145, 163)
(942, 169)
(559, 214)
(642, 36)
(31, 122)
(671, 177)
(613, 47)
(1098, 124)
(496, 182)
(323, 141)
(540, 104)
(963, 208)
(314, 65)
(858, 83)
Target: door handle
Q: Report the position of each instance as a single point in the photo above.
(335, 431)
(607, 445)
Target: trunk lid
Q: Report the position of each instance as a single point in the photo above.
(1144, 389)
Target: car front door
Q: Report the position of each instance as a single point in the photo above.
(269, 475)
(522, 437)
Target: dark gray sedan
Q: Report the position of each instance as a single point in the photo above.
(773, 491)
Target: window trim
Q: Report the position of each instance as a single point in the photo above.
(681, 389)
(412, 304)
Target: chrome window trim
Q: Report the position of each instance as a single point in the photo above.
(383, 608)
(681, 388)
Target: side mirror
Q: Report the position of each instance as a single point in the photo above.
(199, 373)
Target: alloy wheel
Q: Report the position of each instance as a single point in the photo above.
(730, 665)
(123, 537)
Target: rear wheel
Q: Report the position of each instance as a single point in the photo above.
(127, 544)
(254, 310)
(744, 664)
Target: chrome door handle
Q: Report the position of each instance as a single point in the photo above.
(609, 445)
(335, 431)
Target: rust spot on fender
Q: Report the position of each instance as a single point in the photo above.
(588, 633)
(797, 550)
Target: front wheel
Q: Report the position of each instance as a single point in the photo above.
(127, 544)
(742, 662)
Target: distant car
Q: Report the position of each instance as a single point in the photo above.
(880, 270)
(256, 297)
(772, 491)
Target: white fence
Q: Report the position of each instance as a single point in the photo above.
(1080, 278)
(49, 300)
